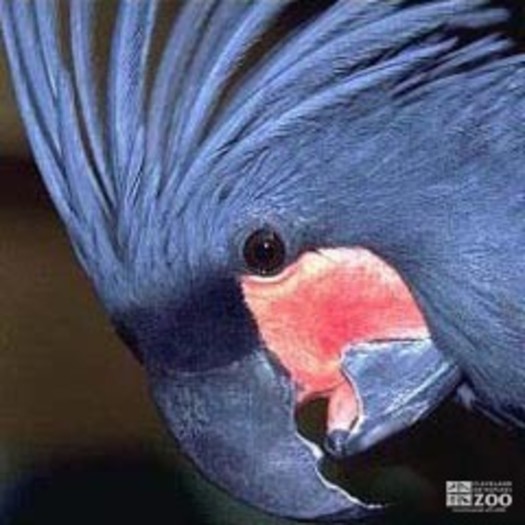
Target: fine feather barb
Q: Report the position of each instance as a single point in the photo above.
(217, 28)
(84, 193)
(81, 29)
(32, 55)
(47, 26)
(226, 37)
(250, 27)
(166, 94)
(126, 84)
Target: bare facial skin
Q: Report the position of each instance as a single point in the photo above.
(325, 302)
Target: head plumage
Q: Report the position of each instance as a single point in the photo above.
(121, 156)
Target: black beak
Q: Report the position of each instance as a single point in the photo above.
(398, 384)
(237, 424)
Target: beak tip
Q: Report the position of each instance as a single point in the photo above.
(336, 443)
(398, 383)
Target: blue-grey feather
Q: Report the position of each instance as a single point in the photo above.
(166, 93)
(301, 43)
(46, 13)
(220, 25)
(81, 34)
(85, 198)
(31, 54)
(334, 27)
(246, 33)
(126, 85)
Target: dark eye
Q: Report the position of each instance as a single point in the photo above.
(264, 252)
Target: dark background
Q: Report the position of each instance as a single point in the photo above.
(80, 441)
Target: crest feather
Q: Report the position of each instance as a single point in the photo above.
(122, 157)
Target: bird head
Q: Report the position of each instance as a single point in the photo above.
(260, 242)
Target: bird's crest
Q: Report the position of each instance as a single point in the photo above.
(120, 156)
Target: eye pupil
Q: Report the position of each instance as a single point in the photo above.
(264, 252)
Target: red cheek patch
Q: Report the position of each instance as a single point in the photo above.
(323, 303)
